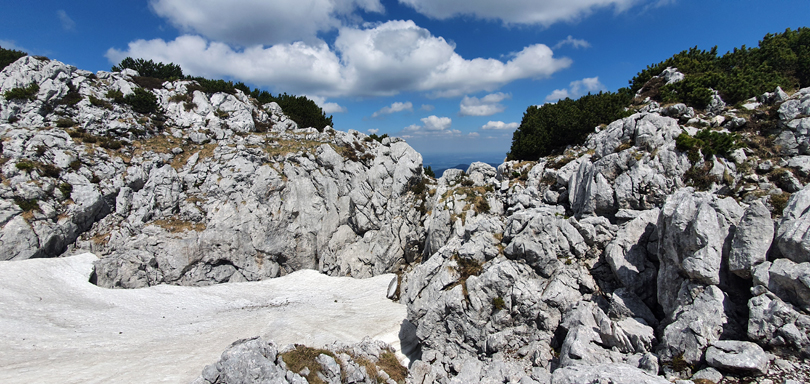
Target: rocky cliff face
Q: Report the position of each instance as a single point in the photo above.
(195, 195)
(631, 258)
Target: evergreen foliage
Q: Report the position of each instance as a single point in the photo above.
(148, 68)
(8, 56)
(300, 109)
(781, 59)
(29, 92)
(429, 172)
(142, 101)
(550, 127)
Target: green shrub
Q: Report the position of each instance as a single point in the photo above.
(709, 143)
(65, 122)
(148, 68)
(148, 82)
(66, 189)
(374, 137)
(552, 127)
(8, 56)
(75, 165)
(50, 170)
(25, 165)
(27, 205)
(72, 98)
(498, 303)
(779, 60)
(116, 96)
(29, 93)
(303, 111)
(429, 172)
(142, 101)
(101, 103)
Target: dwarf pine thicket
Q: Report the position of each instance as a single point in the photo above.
(781, 59)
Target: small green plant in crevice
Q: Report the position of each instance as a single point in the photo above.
(678, 364)
(700, 177)
(65, 122)
(66, 189)
(304, 357)
(26, 93)
(778, 203)
(75, 165)
(50, 170)
(25, 165)
(96, 102)
(116, 96)
(498, 303)
(465, 268)
(27, 205)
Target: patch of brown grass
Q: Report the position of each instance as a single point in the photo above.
(390, 364)
(175, 225)
(303, 356)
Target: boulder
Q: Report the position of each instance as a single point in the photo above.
(738, 356)
(752, 240)
(693, 229)
(793, 233)
(778, 325)
(604, 373)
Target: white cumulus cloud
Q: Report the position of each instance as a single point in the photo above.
(431, 126)
(499, 125)
(576, 89)
(393, 108)
(252, 22)
(327, 107)
(373, 131)
(545, 12)
(427, 107)
(485, 106)
(435, 123)
(380, 60)
(570, 40)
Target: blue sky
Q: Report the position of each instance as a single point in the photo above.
(451, 76)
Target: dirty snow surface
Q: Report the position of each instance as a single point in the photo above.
(56, 327)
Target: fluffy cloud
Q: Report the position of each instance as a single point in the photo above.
(327, 107)
(485, 106)
(570, 40)
(544, 12)
(395, 107)
(431, 126)
(427, 107)
(382, 60)
(499, 125)
(67, 23)
(576, 89)
(435, 123)
(373, 131)
(252, 22)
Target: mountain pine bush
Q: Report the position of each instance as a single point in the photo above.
(781, 59)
